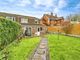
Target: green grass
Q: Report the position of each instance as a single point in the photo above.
(66, 48)
(22, 50)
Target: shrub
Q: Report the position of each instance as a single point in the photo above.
(9, 31)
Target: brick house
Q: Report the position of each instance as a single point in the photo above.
(51, 20)
(30, 25)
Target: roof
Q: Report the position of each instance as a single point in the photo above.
(10, 14)
(58, 18)
(51, 17)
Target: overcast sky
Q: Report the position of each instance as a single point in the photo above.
(37, 8)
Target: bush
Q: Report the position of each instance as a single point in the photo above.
(9, 31)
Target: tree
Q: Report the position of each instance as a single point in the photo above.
(67, 28)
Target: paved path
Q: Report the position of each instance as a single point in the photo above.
(42, 51)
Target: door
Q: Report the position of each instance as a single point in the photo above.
(28, 31)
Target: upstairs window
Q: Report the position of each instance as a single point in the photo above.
(24, 20)
(36, 22)
(11, 18)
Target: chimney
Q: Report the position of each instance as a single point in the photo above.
(55, 15)
(51, 13)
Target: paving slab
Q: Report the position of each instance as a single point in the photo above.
(41, 51)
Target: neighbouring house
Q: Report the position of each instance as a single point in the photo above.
(51, 20)
(30, 25)
(74, 19)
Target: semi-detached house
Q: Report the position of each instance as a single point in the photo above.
(30, 25)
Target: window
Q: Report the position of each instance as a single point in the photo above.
(24, 20)
(14, 19)
(11, 18)
(36, 21)
(40, 28)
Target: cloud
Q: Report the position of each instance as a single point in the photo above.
(60, 5)
(50, 5)
(38, 7)
(46, 3)
(43, 2)
(78, 6)
(10, 0)
(56, 10)
(23, 3)
(54, 6)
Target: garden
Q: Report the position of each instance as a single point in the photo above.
(63, 47)
(21, 50)
(12, 47)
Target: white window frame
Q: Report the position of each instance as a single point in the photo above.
(11, 18)
(24, 20)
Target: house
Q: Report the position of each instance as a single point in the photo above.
(51, 20)
(30, 25)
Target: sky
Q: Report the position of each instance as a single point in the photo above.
(37, 8)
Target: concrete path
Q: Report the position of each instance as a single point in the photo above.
(42, 51)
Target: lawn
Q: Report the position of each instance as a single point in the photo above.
(21, 50)
(66, 48)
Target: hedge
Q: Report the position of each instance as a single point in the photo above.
(9, 31)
